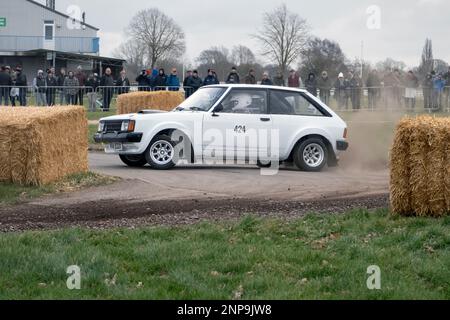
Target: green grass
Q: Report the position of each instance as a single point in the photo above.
(317, 257)
(91, 131)
(100, 114)
(12, 193)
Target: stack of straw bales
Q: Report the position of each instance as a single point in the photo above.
(157, 100)
(420, 167)
(42, 145)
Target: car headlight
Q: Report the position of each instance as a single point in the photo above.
(127, 126)
(101, 126)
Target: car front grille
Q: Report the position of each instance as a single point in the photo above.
(112, 126)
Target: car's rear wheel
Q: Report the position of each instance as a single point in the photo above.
(160, 154)
(311, 155)
(134, 160)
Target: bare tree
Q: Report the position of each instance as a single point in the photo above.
(135, 55)
(217, 58)
(427, 61)
(158, 33)
(322, 55)
(390, 64)
(242, 55)
(283, 37)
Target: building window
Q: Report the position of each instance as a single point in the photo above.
(49, 29)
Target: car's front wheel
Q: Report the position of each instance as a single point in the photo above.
(160, 154)
(264, 164)
(134, 160)
(311, 155)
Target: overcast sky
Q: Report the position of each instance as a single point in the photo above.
(404, 24)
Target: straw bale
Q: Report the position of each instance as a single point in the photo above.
(157, 100)
(420, 167)
(400, 169)
(42, 145)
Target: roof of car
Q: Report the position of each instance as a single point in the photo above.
(255, 86)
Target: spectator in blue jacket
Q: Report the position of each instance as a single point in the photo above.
(153, 75)
(173, 82)
(211, 78)
(438, 90)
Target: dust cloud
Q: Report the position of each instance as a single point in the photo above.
(370, 134)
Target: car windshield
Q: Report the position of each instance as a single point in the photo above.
(202, 100)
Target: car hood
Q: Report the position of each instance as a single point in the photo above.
(148, 114)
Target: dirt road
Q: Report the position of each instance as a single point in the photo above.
(193, 193)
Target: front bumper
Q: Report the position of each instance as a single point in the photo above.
(342, 145)
(121, 137)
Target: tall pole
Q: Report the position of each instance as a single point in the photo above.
(362, 58)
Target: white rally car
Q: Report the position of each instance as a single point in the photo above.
(252, 123)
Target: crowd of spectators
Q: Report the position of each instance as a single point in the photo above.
(394, 88)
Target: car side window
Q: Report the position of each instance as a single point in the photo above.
(292, 103)
(245, 102)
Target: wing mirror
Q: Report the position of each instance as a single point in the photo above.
(219, 108)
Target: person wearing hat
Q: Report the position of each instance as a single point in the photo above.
(160, 82)
(340, 87)
(266, 80)
(250, 77)
(51, 83)
(233, 77)
(211, 78)
(14, 93)
(40, 88)
(354, 91)
(324, 84)
(187, 90)
(71, 85)
(107, 82)
(143, 81)
(173, 82)
(194, 83)
(311, 84)
(92, 83)
(21, 83)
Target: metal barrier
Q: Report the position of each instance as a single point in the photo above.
(393, 98)
(344, 99)
(43, 96)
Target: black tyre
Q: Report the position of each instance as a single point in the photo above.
(161, 153)
(311, 155)
(264, 164)
(134, 160)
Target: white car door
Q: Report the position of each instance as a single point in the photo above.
(291, 111)
(239, 128)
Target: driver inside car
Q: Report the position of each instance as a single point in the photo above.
(243, 103)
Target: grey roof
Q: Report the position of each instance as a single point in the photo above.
(60, 13)
(68, 54)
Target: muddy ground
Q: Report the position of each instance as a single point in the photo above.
(191, 194)
(112, 214)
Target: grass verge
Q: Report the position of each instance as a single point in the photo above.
(11, 193)
(316, 257)
(92, 130)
